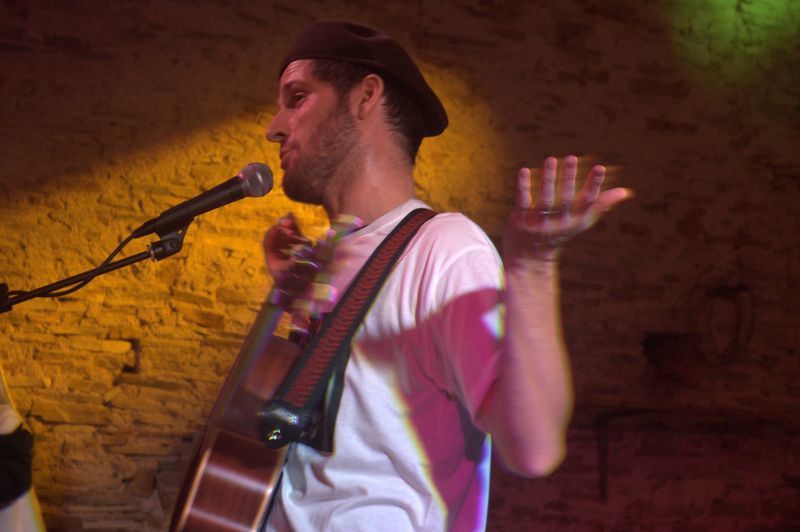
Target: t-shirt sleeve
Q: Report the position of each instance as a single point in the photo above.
(465, 312)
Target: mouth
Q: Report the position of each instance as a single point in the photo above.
(284, 161)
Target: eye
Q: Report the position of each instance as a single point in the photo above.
(298, 97)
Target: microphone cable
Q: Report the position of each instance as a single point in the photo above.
(93, 273)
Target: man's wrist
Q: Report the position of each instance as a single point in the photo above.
(536, 264)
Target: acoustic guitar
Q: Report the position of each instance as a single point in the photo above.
(232, 476)
(234, 473)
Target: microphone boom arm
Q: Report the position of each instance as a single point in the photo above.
(170, 244)
(254, 180)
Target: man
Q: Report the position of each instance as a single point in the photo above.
(436, 364)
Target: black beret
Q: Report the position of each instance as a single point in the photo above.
(354, 43)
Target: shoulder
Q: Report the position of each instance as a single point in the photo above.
(453, 233)
(453, 253)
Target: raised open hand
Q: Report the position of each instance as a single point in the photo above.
(536, 230)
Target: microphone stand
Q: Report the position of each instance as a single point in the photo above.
(171, 242)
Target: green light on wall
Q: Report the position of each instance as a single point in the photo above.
(735, 39)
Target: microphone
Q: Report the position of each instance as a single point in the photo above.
(254, 180)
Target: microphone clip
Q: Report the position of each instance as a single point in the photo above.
(171, 242)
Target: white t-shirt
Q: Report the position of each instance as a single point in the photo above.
(407, 455)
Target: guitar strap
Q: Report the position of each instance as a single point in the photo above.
(290, 415)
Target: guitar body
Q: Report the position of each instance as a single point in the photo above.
(232, 476)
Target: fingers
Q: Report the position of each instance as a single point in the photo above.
(593, 183)
(590, 190)
(279, 241)
(524, 188)
(567, 185)
(546, 195)
(287, 225)
(553, 188)
(285, 233)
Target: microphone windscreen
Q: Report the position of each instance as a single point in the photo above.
(256, 179)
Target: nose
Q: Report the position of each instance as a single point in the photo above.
(276, 129)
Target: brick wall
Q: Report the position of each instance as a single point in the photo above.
(681, 308)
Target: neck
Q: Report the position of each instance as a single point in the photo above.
(370, 185)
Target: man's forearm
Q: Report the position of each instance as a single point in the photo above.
(530, 404)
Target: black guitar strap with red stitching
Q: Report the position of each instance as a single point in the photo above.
(288, 416)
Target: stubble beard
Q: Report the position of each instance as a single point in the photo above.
(334, 145)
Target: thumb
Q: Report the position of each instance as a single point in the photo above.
(608, 199)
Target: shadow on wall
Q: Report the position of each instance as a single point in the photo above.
(79, 89)
(154, 91)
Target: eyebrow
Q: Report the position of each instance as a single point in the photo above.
(292, 83)
(295, 84)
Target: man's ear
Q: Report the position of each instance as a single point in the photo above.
(369, 95)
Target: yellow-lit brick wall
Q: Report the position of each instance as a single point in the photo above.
(112, 113)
